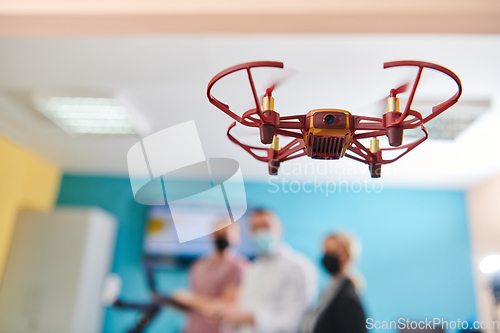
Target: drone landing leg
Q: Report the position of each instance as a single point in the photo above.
(274, 166)
(375, 169)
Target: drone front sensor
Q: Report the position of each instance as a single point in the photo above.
(330, 134)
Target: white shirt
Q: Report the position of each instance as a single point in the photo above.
(278, 290)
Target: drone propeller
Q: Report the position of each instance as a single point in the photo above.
(277, 81)
(399, 90)
(379, 107)
(393, 92)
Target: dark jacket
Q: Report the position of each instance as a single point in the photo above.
(344, 314)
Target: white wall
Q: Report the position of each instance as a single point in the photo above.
(484, 222)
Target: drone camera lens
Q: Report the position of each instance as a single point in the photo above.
(330, 119)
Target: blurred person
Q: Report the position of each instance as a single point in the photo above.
(213, 279)
(339, 310)
(277, 289)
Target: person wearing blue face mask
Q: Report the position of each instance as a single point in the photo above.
(277, 289)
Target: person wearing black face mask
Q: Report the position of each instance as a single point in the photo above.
(221, 244)
(331, 263)
(214, 280)
(339, 310)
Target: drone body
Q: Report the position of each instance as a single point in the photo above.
(330, 134)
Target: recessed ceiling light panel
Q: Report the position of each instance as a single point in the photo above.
(452, 123)
(87, 115)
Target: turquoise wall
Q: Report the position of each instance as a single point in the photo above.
(416, 253)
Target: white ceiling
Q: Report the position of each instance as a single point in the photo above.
(163, 79)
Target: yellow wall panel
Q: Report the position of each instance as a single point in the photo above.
(41, 184)
(8, 213)
(11, 171)
(27, 181)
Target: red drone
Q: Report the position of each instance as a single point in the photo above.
(330, 133)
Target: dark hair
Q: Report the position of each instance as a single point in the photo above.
(261, 210)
